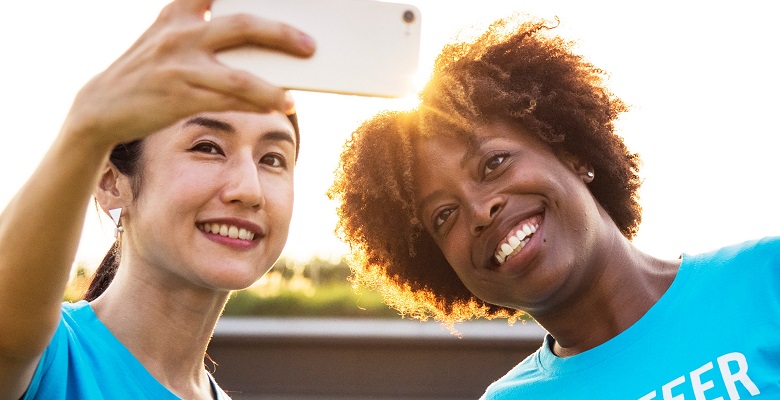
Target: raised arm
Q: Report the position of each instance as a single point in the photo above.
(168, 74)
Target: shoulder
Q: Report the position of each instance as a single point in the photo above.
(746, 265)
(51, 374)
(73, 315)
(85, 361)
(765, 246)
(519, 381)
(765, 251)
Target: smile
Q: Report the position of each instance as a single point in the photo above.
(517, 238)
(230, 231)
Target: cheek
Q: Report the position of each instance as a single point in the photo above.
(190, 190)
(202, 176)
(279, 199)
(456, 249)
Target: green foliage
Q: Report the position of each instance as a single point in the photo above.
(327, 301)
(78, 284)
(315, 288)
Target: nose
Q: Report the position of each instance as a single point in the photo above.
(243, 183)
(484, 211)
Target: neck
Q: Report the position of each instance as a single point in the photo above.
(166, 327)
(625, 284)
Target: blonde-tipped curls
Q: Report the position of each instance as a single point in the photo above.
(514, 72)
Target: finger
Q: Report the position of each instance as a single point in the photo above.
(198, 7)
(244, 29)
(239, 85)
(184, 9)
(210, 101)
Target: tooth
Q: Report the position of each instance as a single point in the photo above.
(520, 235)
(215, 229)
(250, 235)
(506, 248)
(500, 258)
(514, 241)
(206, 227)
(223, 230)
(534, 228)
(242, 233)
(233, 232)
(527, 230)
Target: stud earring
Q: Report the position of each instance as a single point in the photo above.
(116, 214)
(591, 174)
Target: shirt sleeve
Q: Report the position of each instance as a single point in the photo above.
(55, 347)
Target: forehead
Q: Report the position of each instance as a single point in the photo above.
(437, 156)
(241, 124)
(438, 159)
(471, 140)
(251, 122)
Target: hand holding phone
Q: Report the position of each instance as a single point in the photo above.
(364, 47)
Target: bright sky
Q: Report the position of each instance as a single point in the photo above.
(701, 77)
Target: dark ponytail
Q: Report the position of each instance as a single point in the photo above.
(125, 157)
(104, 274)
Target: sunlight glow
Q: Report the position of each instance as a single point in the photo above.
(701, 119)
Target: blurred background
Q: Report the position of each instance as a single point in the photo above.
(701, 78)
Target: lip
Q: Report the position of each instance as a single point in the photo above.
(233, 242)
(505, 229)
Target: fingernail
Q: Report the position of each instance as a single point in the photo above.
(289, 104)
(307, 42)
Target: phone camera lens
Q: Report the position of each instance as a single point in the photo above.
(408, 16)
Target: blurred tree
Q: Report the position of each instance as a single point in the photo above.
(314, 288)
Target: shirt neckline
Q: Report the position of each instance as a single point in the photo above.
(94, 323)
(555, 365)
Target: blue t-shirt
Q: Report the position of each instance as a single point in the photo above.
(715, 334)
(85, 361)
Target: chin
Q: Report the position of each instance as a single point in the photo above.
(234, 279)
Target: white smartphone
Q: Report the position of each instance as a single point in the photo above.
(364, 47)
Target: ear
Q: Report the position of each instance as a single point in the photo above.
(581, 168)
(114, 189)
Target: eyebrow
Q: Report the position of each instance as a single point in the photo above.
(427, 199)
(474, 143)
(281, 136)
(210, 123)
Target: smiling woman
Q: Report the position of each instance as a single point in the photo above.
(194, 163)
(450, 120)
(508, 193)
(187, 165)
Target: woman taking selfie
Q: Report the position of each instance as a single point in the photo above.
(194, 163)
(507, 193)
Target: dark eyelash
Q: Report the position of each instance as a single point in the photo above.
(437, 227)
(200, 146)
(493, 156)
(281, 158)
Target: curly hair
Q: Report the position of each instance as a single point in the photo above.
(513, 72)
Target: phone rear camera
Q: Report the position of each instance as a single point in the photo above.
(408, 16)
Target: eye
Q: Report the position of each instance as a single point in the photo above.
(274, 160)
(441, 217)
(493, 163)
(207, 148)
